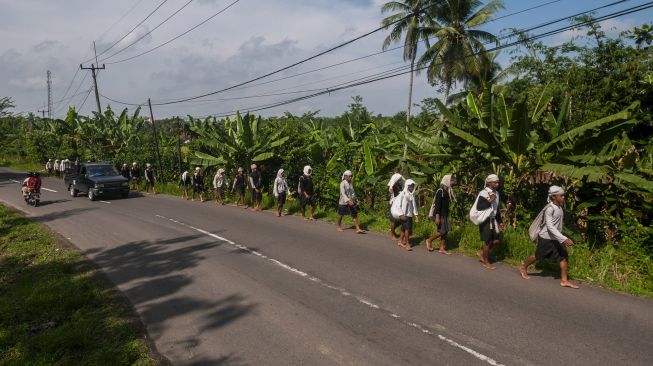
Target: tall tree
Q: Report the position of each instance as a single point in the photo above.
(459, 53)
(410, 20)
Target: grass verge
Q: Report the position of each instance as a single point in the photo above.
(55, 308)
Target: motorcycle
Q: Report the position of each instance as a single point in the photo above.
(33, 198)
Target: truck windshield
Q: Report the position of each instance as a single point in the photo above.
(102, 171)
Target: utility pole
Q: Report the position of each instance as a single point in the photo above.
(156, 140)
(179, 145)
(93, 68)
(42, 111)
(50, 111)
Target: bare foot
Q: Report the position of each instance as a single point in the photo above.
(443, 251)
(394, 238)
(568, 284)
(408, 247)
(312, 218)
(479, 254)
(340, 229)
(429, 245)
(305, 219)
(523, 272)
(359, 231)
(489, 266)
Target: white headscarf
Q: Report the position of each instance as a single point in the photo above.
(346, 173)
(555, 190)
(308, 170)
(280, 173)
(410, 196)
(491, 178)
(396, 177)
(220, 171)
(253, 166)
(446, 182)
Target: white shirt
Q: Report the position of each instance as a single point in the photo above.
(218, 181)
(408, 204)
(553, 221)
(346, 192)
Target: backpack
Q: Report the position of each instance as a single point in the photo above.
(431, 211)
(536, 225)
(395, 209)
(479, 217)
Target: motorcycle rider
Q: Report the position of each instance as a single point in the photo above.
(31, 184)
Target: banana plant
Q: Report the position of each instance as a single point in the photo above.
(242, 140)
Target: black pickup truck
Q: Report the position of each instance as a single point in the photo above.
(95, 180)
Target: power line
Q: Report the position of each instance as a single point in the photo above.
(128, 33)
(85, 98)
(324, 67)
(179, 36)
(332, 49)
(120, 19)
(242, 85)
(149, 32)
(296, 63)
(535, 37)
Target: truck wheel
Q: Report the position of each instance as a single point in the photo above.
(91, 195)
(125, 195)
(73, 191)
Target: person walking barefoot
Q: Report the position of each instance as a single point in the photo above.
(348, 204)
(239, 186)
(307, 193)
(255, 184)
(551, 242)
(198, 184)
(440, 214)
(219, 181)
(280, 190)
(491, 224)
(395, 186)
(405, 210)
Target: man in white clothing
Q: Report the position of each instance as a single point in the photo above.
(551, 242)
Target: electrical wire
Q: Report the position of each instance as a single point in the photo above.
(179, 36)
(149, 32)
(120, 19)
(128, 33)
(329, 90)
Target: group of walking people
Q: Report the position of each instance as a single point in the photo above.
(58, 167)
(135, 176)
(545, 231)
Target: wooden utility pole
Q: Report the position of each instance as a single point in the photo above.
(156, 140)
(93, 68)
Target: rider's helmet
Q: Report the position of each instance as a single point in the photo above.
(36, 174)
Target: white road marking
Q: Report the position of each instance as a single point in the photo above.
(46, 189)
(106, 202)
(343, 292)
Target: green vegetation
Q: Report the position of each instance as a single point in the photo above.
(577, 115)
(54, 308)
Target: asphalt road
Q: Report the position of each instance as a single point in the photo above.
(225, 286)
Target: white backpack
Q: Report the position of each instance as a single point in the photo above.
(479, 217)
(395, 209)
(536, 225)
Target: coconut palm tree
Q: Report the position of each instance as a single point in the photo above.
(459, 53)
(408, 22)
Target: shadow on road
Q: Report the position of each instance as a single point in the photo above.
(45, 203)
(62, 214)
(153, 273)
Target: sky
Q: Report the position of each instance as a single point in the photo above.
(248, 40)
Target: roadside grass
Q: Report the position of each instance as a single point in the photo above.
(55, 308)
(19, 164)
